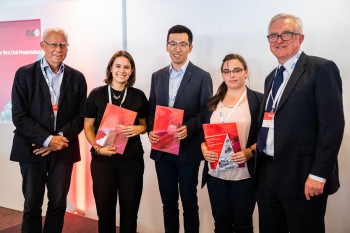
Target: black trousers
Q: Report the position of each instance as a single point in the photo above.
(56, 175)
(282, 214)
(232, 204)
(115, 178)
(174, 178)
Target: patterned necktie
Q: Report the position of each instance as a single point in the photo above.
(278, 80)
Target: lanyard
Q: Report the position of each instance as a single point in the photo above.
(278, 96)
(233, 109)
(110, 95)
(49, 84)
(280, 90)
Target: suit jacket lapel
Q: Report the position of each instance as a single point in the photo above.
(64, 86)
(254, 112)
(165, 79)
(43, 85)
(268, 86)
(186, 78)
(296, 75)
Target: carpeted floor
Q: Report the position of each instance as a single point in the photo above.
(9, 218)
(10, 222)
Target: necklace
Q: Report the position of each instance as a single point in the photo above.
(117, 97)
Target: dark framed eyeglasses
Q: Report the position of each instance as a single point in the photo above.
(285, 36)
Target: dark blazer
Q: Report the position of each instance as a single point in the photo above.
(195, 89)
(309, 126)
(33, 117)
(254, 102)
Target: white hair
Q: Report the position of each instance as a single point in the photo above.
(298, 24)
(54, 29)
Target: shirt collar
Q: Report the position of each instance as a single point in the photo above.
(182, 69)
(46, 66)
(288, 65)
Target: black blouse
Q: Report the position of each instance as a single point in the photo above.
(135, 100)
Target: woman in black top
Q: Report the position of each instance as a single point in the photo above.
(117, 174)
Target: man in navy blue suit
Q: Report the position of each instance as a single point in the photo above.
(301, 129)
(184, 86)
(47, 98)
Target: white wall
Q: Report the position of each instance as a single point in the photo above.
(95, 33)
(225, 26)
(219, 27)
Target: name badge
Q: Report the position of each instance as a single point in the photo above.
(268, 120)
(55, 107)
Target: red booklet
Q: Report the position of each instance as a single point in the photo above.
(223, 139)
(166, 121)
(114, 119)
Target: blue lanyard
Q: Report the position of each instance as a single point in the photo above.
(49, 84)
(280, 90)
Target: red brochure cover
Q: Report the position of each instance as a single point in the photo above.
(215, 143)
(215, 139)
(114, 119)
(166, 121)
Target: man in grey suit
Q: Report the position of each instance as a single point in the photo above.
(184, 86)
(301, 129)
(47, 98)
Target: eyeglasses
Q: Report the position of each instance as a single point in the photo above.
(234, 71)
(174, 44)
(285, 36)
(55, 45)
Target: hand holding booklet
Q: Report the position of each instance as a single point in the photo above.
(166, 121)
(114, 119)
(223, 139)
